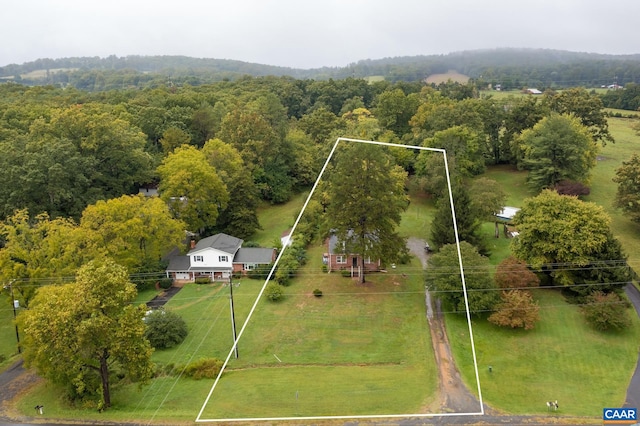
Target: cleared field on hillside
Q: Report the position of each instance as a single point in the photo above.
(450, 75)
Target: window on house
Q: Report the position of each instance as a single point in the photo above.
(341, 258)
(367, 260)
(249, 266)
(223, 258)
(198, 259)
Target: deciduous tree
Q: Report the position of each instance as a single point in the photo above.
(367, 196)
(606, 311)
(557, 148)
(192, 188)
(135, 231)
(628, 194)
(587, 107)
(39, 250)
(560, 233)
(77, 335)
(517, 309)
(239, 217)
(444, 278)
(513, 274)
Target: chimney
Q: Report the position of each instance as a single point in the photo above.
(193, 244)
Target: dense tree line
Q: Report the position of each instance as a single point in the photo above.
(511, 68)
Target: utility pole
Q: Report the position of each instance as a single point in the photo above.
(233, 315)
(15, 304)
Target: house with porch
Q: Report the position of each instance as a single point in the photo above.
(217, 257)
(336, 258)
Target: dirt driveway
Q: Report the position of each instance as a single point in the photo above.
(454, 395)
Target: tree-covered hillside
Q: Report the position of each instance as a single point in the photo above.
(511, 68)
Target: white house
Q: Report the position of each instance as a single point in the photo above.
(216, 258)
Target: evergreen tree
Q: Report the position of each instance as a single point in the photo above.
(467, 220)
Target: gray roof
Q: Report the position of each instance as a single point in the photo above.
(254, 255)
(222, 242)
(350, 237)
(179, 263)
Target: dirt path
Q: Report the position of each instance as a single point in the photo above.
(454, 395)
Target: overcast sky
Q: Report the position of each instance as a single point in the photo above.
(310, 33)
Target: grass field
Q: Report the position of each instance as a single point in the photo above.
(275, 219)
(450, 75)
(356, 350)
(562, 358)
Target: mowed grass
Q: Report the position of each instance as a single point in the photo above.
(561, 358)
(603, 189)
(205, 309)
(357, 350)
(275, 219)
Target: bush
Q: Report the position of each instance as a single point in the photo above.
(165, 283)
(260, 272)
(325, 268)
(345, 273)
(144, 284)
(165, 329)
(273, 292)
(606, 311)
(317, 292)
(203, 280)
(569, 187)
(206, 368)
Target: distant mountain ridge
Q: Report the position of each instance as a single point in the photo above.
(534, 67)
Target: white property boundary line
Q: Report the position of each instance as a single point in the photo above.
(255, 304)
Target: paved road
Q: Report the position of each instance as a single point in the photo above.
(633, 392)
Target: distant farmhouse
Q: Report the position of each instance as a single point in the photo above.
(532, 91)
(217, 257)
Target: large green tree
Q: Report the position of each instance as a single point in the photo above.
(366, 198)
(463, 146)
(468, 219)
(394, 110)
(628, 194)
(192, 188)
(570, 240)
(79, 334)
(39, 250)
(239, 217)
(134, 230)
(444, 278)
(557, 148)
(587, 107)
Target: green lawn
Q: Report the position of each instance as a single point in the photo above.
(562, 358)
(356, 350)
(603, 189)
(275, 219)
(359, 349)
